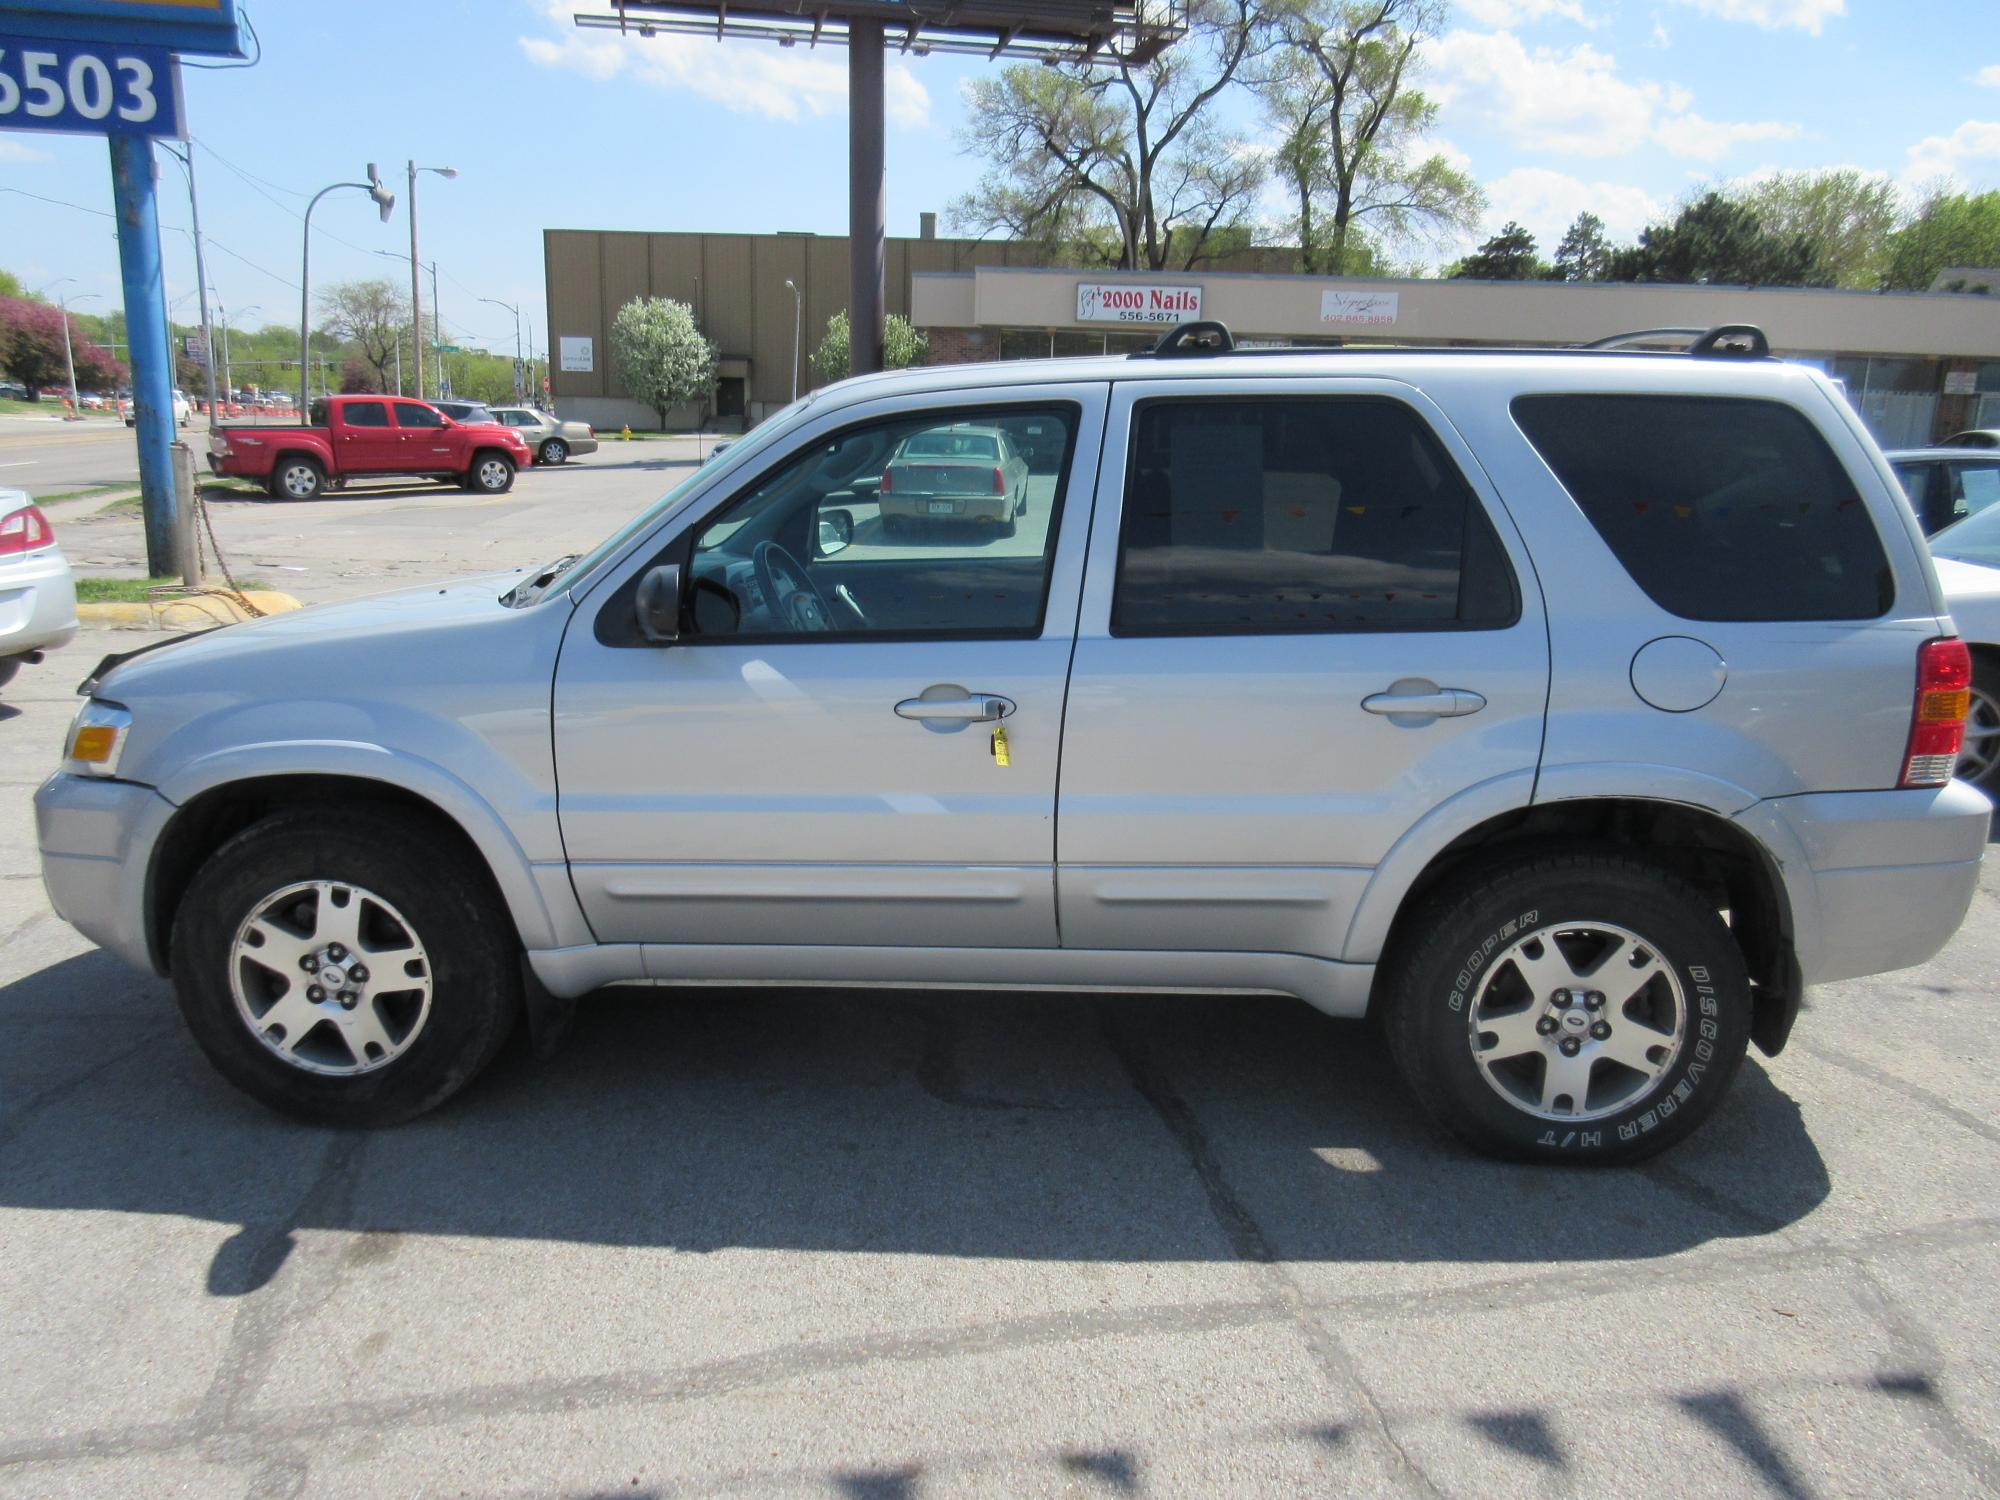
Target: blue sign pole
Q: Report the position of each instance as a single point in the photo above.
(146, 333)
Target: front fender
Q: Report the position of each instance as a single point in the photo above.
(538, 894)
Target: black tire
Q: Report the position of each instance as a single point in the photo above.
(492, 473)
(8, 667)
(449, 907)
(296, 477)
(1980, 763)
(1453, 964)
(554, 451)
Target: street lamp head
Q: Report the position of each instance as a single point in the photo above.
(384, 199)
(790, 286)
(445, 171)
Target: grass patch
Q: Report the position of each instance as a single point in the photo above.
(85, 494)
(133, 590)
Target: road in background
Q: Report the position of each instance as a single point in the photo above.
(852, 1243)
(47, 458)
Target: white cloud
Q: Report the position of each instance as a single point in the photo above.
(1969, 156)
(1575, 102)
(1988, 76)
(1711, 140)
(1546, 100)
(1547, 202)
(16, 151)
(748, 77)
(1773, 15)
(1501, 13)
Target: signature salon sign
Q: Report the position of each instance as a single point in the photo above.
(1358, 309)
(1126, 302)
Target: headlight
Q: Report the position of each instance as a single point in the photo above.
(96, 739)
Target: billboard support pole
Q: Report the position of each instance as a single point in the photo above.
(866, 273)
(132, 196)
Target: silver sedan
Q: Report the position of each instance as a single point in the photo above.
(552, 440)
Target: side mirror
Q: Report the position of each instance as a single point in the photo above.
(834, 533)
(447, 421)
(658, 604)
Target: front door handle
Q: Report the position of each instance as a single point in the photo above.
(972, 708)
(1439, 703)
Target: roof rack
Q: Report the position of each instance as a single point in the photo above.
(1725, 340)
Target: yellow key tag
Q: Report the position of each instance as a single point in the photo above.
(1000, 756)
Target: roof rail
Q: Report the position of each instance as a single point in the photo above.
(1204, 337)
(1726, 340)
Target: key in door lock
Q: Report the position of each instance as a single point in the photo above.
(1000, 755)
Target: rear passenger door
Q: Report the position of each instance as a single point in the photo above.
(367, 444)
(1307, 623)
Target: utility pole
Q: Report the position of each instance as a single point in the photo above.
(416, 285)
(185, 156)
(798, 325)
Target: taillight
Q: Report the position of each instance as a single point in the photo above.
(999, 484)
(886, 486)
(589, 431)
(1937, 720)
(24, 530)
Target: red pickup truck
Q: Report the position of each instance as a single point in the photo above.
(353, 437)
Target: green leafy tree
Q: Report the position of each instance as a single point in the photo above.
(10, 285)
(1847, 215)
(661, 355)
(1716, 240)
(1585, 252)
(1507, 256)
(1123, 165)
(1351, 124)
(373, 319)
(902, 346)
(1948, 229)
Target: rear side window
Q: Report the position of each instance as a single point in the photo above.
(1720, 508)
(366, 414)
(1290, 515)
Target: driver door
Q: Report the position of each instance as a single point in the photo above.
(812, 761)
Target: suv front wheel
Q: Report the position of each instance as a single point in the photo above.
(333, 974)
(1572, 1007)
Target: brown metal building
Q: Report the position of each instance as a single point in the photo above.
(736, 285)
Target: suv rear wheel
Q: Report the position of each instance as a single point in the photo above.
(296, 479)
(1580, 1006)
(328, 975)
(554, 451)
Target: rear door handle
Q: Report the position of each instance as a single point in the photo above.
(974, 708)
(1442, 703)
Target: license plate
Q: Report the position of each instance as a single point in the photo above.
(942, 508)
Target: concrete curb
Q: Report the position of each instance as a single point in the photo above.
(192, 612)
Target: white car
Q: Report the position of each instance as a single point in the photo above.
(1967, 556)
(37, 596)
(183, 410)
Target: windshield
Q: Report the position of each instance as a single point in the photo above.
(1976, 539)
(952, 445)
(770, 432)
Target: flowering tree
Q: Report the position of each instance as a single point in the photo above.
(31, 348)
(661, 354)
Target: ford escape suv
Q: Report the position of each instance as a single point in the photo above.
(1569, 711)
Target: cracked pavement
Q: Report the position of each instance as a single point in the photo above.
(840, 1243)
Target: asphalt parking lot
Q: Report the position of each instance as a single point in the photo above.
(846, 1243)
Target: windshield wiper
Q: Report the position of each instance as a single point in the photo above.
(530, 588)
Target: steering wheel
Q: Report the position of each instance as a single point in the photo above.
(789, 591)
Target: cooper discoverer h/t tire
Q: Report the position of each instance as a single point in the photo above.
(1575, 1006)
(346, 966)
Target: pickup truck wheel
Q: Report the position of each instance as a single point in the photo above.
(1578, 1007)
(327, 976)
(554, 451)
(490, 474)
(297, 479)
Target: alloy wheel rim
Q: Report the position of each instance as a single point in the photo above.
(557, 453)
(492, 473)
(299, 480)
(1577, 1021)
(1980, 751)
(330, 978)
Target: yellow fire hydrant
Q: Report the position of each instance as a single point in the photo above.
(625, 432)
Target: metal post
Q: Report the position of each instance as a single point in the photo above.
(201, 281)
(416, 288)
(437, 323)
(865, 209)
(69, 360)
(132, 192)
(798, 327)
(187, 545)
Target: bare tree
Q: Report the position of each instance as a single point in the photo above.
(373, 316)
(1351, 125)
(1121, 164)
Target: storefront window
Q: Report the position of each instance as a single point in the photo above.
(1897, 398)
(1023, 343)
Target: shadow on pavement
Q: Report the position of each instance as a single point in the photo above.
(1113, 1128)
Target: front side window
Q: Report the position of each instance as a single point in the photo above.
(928, 526)
(1720, 508)
(367, 414)
(1973, 488)
(1289, 515)
(409, 414)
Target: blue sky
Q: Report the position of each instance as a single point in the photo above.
(1619, 106)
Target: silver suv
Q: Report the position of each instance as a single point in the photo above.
(1569, 712)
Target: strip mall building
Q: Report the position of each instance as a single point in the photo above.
(1918, 365)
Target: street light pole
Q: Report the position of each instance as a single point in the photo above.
(520, 371)
(185, 156)
(69, 358)
(798, 325)
(417, 286)
(386, 202)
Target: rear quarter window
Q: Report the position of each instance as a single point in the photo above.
(1720, 508)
